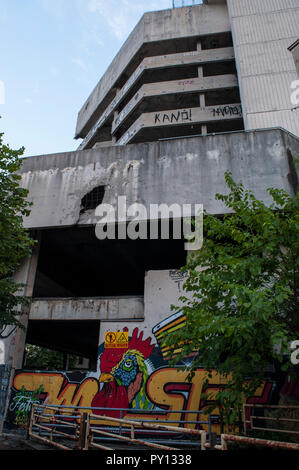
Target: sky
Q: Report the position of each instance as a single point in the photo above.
(52, 54)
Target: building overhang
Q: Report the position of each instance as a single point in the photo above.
(182, 171)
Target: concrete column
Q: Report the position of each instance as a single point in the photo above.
(115, 114)
(16, 342)
(29, 267)
(202, 100)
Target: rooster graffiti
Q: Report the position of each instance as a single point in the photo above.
(124, 375)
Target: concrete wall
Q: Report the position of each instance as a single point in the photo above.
(173, 171)
(161, 289)
(262, 32)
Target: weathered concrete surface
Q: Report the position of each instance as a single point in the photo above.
(154, 26)
(175, 87)
(161, 289)
(158, 62)
(173, 171)
(92, 308)
(174, 117)
(262, 32)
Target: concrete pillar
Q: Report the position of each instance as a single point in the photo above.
(202, 99)
(15, 343)
(27, 274)
(115, 114)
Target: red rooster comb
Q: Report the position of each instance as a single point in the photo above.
(145, 347)
(111, 357)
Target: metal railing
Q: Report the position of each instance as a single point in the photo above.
(144, 425)
(73, 427)
(254, 441)
(250, 424)
(85, 428)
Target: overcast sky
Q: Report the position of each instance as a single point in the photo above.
(52, 54)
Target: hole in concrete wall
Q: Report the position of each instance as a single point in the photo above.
(73, 262)
(54, 344)
(92, 199)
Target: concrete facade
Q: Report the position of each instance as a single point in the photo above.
(142, 173)
(230, 52)
(262, 32)
(195, 92)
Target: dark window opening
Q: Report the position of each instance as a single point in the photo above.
(223, 96)
(73, 262)
(61, 345)
(93, 199)
(220, 68)
(215, 41)
(187, 130)
(225, 126)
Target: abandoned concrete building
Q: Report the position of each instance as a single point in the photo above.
(193, 92)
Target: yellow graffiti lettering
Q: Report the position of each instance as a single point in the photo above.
(70, 394)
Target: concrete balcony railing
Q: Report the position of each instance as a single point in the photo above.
(177, 117)
(200, 84)
(156, 63)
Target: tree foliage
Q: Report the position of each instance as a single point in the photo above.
(241, 304)
(15, 242)
(38, 357)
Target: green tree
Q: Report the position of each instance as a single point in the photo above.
(15, 242)
(38, 357)
(241, 304)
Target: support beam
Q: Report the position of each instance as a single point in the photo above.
(96, 308)
(202, 98)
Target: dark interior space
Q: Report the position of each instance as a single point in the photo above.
(157, 48)
(225, 126)
(73, 337)
(73, 262)
(179, 131)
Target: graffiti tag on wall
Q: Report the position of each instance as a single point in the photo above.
(134, 378)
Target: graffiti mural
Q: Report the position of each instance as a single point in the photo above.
(136, 377)
(21, 404)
